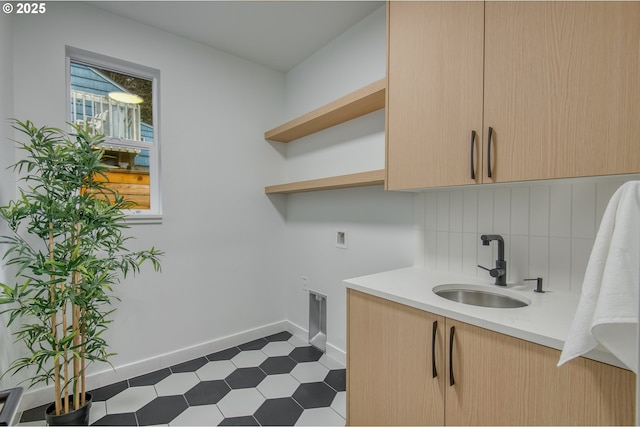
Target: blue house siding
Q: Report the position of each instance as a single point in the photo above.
(86, 79)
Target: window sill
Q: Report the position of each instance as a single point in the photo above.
(143, 219)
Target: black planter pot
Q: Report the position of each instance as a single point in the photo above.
(79, 417)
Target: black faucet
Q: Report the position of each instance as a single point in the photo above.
(500, 272)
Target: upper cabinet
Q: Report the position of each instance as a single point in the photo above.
(556, 85)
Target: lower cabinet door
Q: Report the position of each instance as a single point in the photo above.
(501, 380)
(395, 375)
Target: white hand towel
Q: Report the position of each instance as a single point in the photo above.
(607, 313)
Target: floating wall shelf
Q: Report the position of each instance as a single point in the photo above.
(363, 101)
(361, 179)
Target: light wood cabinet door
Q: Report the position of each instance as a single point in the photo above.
(390, 364)
(562, 89)
(434, 93)
(501, 380)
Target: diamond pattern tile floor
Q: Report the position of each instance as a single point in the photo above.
(275, 380)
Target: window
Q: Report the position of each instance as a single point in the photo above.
(119, 100)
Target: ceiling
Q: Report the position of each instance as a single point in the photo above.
(277, 34)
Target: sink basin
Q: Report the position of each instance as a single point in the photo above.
(480, 296)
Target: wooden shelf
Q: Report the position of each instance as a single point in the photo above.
(363, 101)
(362, 179)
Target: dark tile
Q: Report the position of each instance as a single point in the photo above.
(108, 391)
(161, 410)
(314, 395)
(305, 354)
(239, 421)
(227, 354)
(280, 336)
(245, 378)
(190, 366)
(152, 378)
(278, 365)
(34, 414)
(337, 379)
(278, 412)
(254, 345)
(207, 393)
(126, 419)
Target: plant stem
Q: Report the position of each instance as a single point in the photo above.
(54, 329)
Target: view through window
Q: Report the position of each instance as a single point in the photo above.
(120, 106)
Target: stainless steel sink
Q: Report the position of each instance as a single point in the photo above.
(466, 294)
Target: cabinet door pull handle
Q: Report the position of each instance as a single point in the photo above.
(452, 332)
(433, 349)
(473, 144)
(489, 151)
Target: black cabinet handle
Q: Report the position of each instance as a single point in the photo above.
(489, 152)
(473, 144)
(452, 332)
(433, 349)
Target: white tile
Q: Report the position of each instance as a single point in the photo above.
(178, 383)
(216, 370)
(297, 341)
(418, 247)
(98, 410)
(339, 404)
(131, 399)
(320, 417)
(204, 415)
(470, 211)
(443, 211)
(580, 252)
(469, 253)
(501, 210)
(248, 359)
(455, 252)
(278, 348)
(242, 402)
(539, 257)
(520, 211)
(419, 211)
(430, 249)
(604, 190)
(559, 264)
(276, 386)
(431, 211)
(518, 259)
(309, 372)
(583, 210)
(330, 362)
(539, 210)
(456, 199)
(485, 211)
(442, 250)
(560, 210)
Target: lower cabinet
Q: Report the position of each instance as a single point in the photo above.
(409, 367)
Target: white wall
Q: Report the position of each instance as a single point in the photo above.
(221, 234)
(549, 228)
(379, 224)
(7, 184)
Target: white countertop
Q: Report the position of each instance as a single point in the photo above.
(545, 321)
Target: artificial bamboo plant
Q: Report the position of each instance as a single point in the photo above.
(68, 248)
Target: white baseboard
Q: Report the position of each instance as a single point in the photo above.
(41, 396)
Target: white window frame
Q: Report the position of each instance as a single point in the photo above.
(154, 214)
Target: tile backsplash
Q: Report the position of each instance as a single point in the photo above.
(548, 226)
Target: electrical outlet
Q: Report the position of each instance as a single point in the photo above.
(305, 283)
(341, 239)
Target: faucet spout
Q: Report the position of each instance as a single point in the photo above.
(500, 271)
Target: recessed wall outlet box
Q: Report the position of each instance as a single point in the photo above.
(341, 239)
(318, 320)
